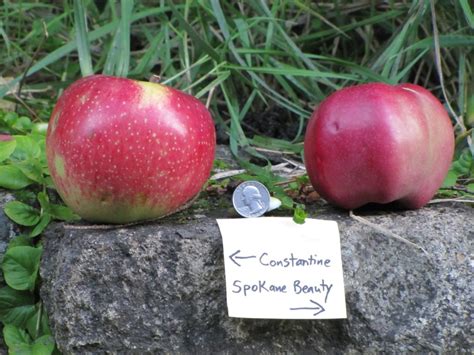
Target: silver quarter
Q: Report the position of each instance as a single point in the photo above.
(251, 199)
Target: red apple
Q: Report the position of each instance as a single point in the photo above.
(121, 150)
(379, 143)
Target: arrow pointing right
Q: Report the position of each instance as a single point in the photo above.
(317, 307)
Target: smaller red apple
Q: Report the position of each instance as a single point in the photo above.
(121, 150)
(379, 143)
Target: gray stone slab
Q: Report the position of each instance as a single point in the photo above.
(159, 288)
(7, 227)
(7, 231)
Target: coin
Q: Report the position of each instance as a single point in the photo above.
(251, 199)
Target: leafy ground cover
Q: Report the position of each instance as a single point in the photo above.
(260, 66)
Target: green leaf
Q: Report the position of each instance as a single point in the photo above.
(26, 148)
(11, 177)
(22, 213)
(20, 267)
(19, 241)
(299, 215)
(470, 188)
(286, 201)
(42, 224)
(6, 149)
(294, 185)
(39, 128)
(17, 123)
(17, 340)
(10, 118)
(44, 345)
(32, 169)
(16, 307)
(450, 179)
(35, 327)
(48, 182)
(464, 164)
(63, 213)
(26, 196)
(23, 124)
(44, 201)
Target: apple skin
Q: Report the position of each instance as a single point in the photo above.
(121, 150)
(378, 143)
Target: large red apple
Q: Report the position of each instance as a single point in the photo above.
(121, 150)
(379, 143)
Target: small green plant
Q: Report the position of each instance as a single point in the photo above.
(23, 169)
(460, 179)
(219, 165)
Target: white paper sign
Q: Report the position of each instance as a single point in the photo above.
(275, 268)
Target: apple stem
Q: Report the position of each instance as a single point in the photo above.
(385, 231)
(156, 79)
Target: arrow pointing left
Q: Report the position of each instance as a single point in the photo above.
(234, 256)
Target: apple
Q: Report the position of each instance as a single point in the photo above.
(121, 150)
(379, 143)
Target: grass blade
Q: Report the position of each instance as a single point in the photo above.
(146, 62)
(112, 55)
(397, 78)
(222, 77)
(126, 7)
(388, 61)
(467, 12)
(197, 39)
(5, 37)
(373, 20)
(118, 56)
(307, 8)
(237, 135)
(288, 70)
(439, 68)
(83, 49)
(69, 47)
(202, 60)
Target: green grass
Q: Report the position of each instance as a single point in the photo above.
(247, 60)
(285, 54)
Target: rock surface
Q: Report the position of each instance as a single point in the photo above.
(7, 227)
(7, 232)
(159, 288)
